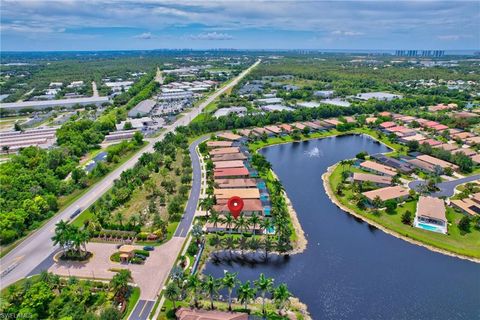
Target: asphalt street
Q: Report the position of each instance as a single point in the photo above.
(447, 188)
(34, 249)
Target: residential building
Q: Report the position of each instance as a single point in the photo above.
(227, 150)
(430, 215)
(235, 183)
(437, 162)
(229, 164)
(378, 168)
(376, 180)
(229, 136)
(219, 144)
(245, 193)
(324, 93)
(231, 173)
(466, 205)
(398, 193)
(229, 157)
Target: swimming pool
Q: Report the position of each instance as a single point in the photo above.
(261, 185)
(429, 227)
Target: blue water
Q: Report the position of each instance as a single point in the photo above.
(351, 270)
(428, 227)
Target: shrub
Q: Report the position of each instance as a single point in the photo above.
(142, 252)
(407, 218)
(192, 249)
(464, 224)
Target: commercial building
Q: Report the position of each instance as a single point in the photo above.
(62, 103)
(430, 215)
(142, 109)
(382, 96)
(324, 93)
(275, 107)
(222, 112)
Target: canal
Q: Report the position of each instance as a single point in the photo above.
(351, 270)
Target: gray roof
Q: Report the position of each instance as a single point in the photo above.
(144, 107)
(54, 103)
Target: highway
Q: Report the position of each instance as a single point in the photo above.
(34, 249)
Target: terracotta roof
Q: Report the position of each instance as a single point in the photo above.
(235, 183)
(466, 151)
(333, 122)
(476, 158)
(467, 205)
(431, 142)
(126, 248)
(224, 150)
(358, 176)
(273, 129)
(385, 114)
(312, 125)
(298, 125)
(437, 162)
(422, 164)
(440, 127)
(244, 132)
(286, 127)
(219, 144)
(473, 140)
(229, 157)
(417, 137)
(389, 171)
(196, 314)
(431, 207)
(371, 119)
(231, 172)
(248, 205)
(387, 193)
(245, 193)
(261, 131)
(228, 164)
(388, 124)
(447, 146)
(228, 136)
(463, 135)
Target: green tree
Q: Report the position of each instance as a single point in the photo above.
(194, 284)
(264, 285)
(172, 293)
(407, 218)
(246, 293)
(211, 287)
(464, 224)
(230, 281)
(119, 284)
(281, 296)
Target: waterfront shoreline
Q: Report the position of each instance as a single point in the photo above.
(331, 195)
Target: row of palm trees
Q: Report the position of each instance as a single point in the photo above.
(265, 243)
(72, 239)
(240, 224)
(246, 292)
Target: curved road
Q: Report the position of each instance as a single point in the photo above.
(447, 188)
(19, 262)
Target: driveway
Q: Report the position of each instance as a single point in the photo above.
(149, 277)
(447, 188)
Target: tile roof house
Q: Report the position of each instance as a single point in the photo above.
(235, 183)
(229, 157)
(229, 164)
(430, 214)
(466, 205)
(231, 173)
(228, 136)
(219, 144)
(244, 193)
(437, 162)
(224, 151)
(378, 168)
(381, 181)
(388, 193)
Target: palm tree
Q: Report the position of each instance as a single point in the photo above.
(264, 285)
(241, 224)
(207, 204)
(211, 287)
(194, 284)
(229, 221)
(254, 244)
(119, 283)
(242, 244)
(172, 293)
(254, 221)
(214, 218)
(230, 244)
(266, 224)
(267, 245)
(230, 281)
(281, 295)
(246, 293)
(61, 237)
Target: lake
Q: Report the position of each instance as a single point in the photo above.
(351, 270)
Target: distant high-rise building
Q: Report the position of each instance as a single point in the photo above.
(423, 53)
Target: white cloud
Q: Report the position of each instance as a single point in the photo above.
(450, 37)
(211, 36)
(347, 33)
(144, 36)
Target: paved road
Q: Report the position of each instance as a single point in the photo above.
(184, 225)
(142, 310)
(447, 188)
(34, 249)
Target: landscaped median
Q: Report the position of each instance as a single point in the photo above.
(455, 243)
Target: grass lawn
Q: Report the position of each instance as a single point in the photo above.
(455, 241)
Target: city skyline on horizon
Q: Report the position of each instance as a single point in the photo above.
(114, 25)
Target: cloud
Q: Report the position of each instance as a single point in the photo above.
(347, 33)
(450, 37)
(144, 36)
(211, 36)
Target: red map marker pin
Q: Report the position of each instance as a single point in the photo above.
(235, 205)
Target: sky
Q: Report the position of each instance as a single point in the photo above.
(28, 25)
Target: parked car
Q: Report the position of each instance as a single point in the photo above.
(139, 256)
(148, 248)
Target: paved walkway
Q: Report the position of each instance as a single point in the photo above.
(447, 188)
